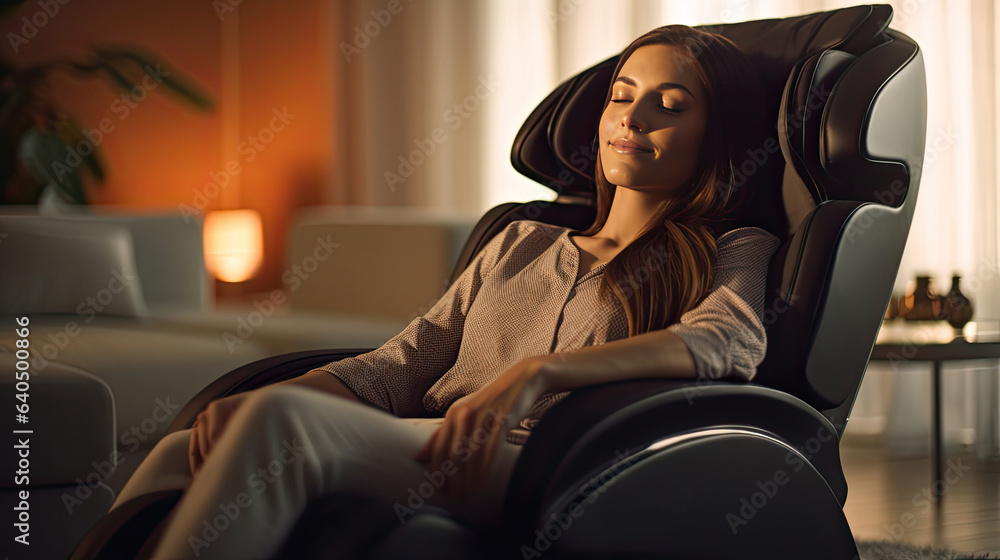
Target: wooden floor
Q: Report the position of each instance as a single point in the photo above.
(894, 499)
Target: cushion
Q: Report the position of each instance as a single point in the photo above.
(67, 267)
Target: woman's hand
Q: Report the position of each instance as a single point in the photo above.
(464, 447)
(208, 426)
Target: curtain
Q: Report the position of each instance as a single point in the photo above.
(471, 72)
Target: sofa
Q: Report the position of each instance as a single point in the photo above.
(123, 320)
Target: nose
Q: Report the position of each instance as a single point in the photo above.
(629, 120)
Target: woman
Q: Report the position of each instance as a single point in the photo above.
(646, 291)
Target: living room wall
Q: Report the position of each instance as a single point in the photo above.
(258, 59)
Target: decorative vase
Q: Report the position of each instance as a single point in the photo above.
(956, 307)
(54, 202)
(923, 304)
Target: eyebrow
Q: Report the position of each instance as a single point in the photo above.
(664, 85)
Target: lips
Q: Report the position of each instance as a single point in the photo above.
(625, 146)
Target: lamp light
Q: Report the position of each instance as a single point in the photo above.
(234, 246)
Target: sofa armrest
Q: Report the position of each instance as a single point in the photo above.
(72, 418)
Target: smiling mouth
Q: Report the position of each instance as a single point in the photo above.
(628, 148)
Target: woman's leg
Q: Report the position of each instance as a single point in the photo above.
(287, 445)
(165, 468)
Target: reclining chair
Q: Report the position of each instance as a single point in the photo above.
(684, 468)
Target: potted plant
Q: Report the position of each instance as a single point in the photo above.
(44, 150)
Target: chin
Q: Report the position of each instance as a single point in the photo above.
(639, 180)
(626, 178)
(660, 191)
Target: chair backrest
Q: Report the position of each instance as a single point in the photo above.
(836, 182)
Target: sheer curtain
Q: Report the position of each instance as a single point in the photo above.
(435, 53)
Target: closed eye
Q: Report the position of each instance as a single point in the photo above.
(665, 109)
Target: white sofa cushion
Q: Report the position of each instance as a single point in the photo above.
(168, 255)
(56, 266)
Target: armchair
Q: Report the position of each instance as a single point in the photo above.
(685, 468)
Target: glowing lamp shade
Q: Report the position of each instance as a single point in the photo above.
(234, 246)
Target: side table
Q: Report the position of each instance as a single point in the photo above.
(934, 342)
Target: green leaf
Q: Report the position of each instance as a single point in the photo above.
(180, 84)
(116, 75)
(96, 64)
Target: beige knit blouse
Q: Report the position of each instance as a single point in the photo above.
(520, 298)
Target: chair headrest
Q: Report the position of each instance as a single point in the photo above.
(795, 59)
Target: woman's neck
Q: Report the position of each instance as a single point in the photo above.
(630, 210)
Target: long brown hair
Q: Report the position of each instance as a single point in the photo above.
(667, 269)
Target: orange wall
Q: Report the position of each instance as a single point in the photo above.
(279, 54)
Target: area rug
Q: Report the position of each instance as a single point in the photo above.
(891, 550)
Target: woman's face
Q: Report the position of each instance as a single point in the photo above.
(651, 131)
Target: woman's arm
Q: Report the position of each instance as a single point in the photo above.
(723, 335)
(741, 272)
(323, 381)
(653, 354)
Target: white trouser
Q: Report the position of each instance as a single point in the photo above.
(282, 447)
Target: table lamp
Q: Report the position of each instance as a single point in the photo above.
(234, 246)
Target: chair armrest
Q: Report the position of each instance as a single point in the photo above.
(258, 374)
(594, 427)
